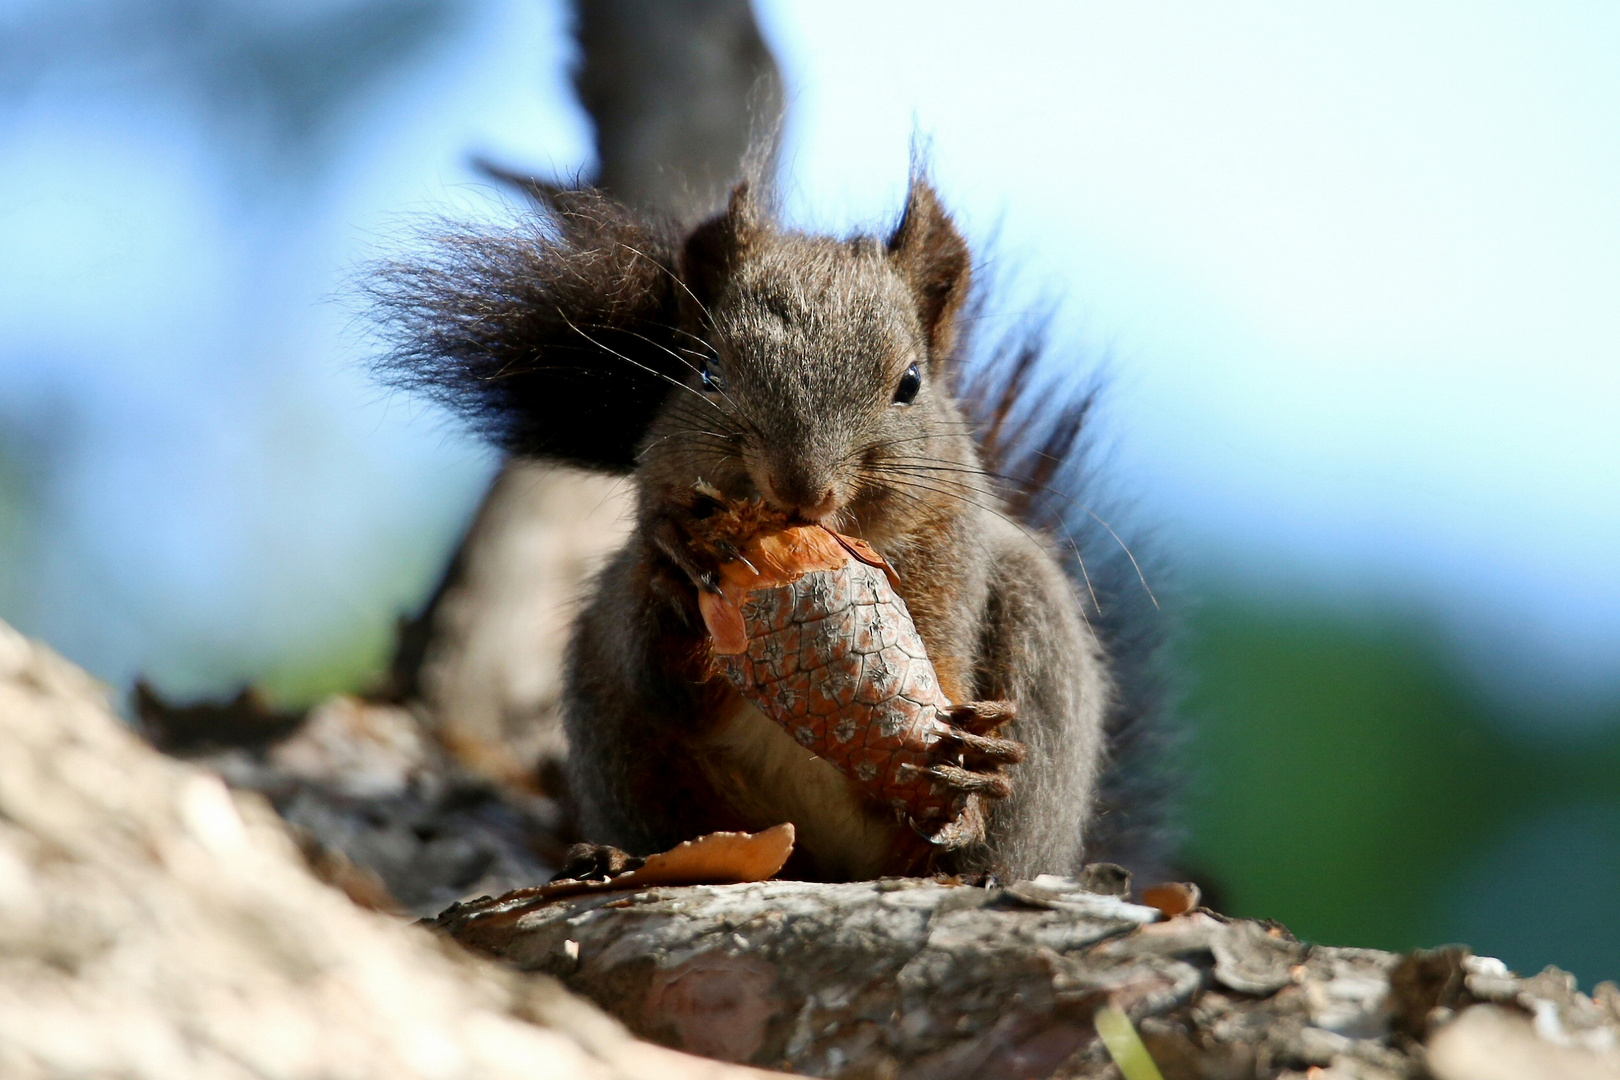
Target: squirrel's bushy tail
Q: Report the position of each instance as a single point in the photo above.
(1036, 444)
(557, 338)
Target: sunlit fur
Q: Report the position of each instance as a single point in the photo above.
(811, 337)
(585, 340)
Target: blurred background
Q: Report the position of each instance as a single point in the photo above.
(1352, 270)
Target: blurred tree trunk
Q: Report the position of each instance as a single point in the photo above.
(678, 89)
(154, 924)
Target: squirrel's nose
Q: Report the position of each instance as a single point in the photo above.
(810, 498)
(823, 506)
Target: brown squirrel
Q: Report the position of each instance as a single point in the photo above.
(741, 360)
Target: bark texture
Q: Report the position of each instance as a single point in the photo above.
(924, 979)
(154, 924)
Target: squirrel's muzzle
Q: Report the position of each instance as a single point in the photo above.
(799, 487)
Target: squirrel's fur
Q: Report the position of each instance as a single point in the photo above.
(745, 360)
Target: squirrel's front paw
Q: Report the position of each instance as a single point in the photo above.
(596, 862)
(978, 769)
(671, 534)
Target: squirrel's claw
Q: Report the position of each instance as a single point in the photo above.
(989, 785)
(729, 552)
(982, 717)
(671, 541)
(978, 756)
(986, 749)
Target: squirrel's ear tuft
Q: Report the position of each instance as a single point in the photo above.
(933, 257)
(715, 247)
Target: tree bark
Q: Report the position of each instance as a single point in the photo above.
(926, 979)
(156, 926)
(678, 90)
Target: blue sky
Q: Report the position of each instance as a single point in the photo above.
(1354, 267)
(1357, 268)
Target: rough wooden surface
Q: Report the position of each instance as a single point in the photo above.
(375, 794)
(898, 978)
(921, 979)
(154, 924)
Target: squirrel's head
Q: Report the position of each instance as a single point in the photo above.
(737, 357)
(819, 373)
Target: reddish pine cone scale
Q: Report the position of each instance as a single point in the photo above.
(834, 657)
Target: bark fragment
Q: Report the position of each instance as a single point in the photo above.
(932, 979)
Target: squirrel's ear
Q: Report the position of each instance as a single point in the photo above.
(935, 261)
(715, 247)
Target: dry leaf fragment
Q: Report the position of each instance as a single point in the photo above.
(719, 858)
(1172, 898)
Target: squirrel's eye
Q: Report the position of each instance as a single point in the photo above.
(910, 383)
(713, 381)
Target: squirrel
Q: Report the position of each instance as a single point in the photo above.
(738, 360)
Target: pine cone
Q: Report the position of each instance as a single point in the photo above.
(809, 627)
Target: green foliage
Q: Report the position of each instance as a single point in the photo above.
(344, 664)
(1347, 782)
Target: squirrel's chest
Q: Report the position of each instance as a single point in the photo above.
(768, 778)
